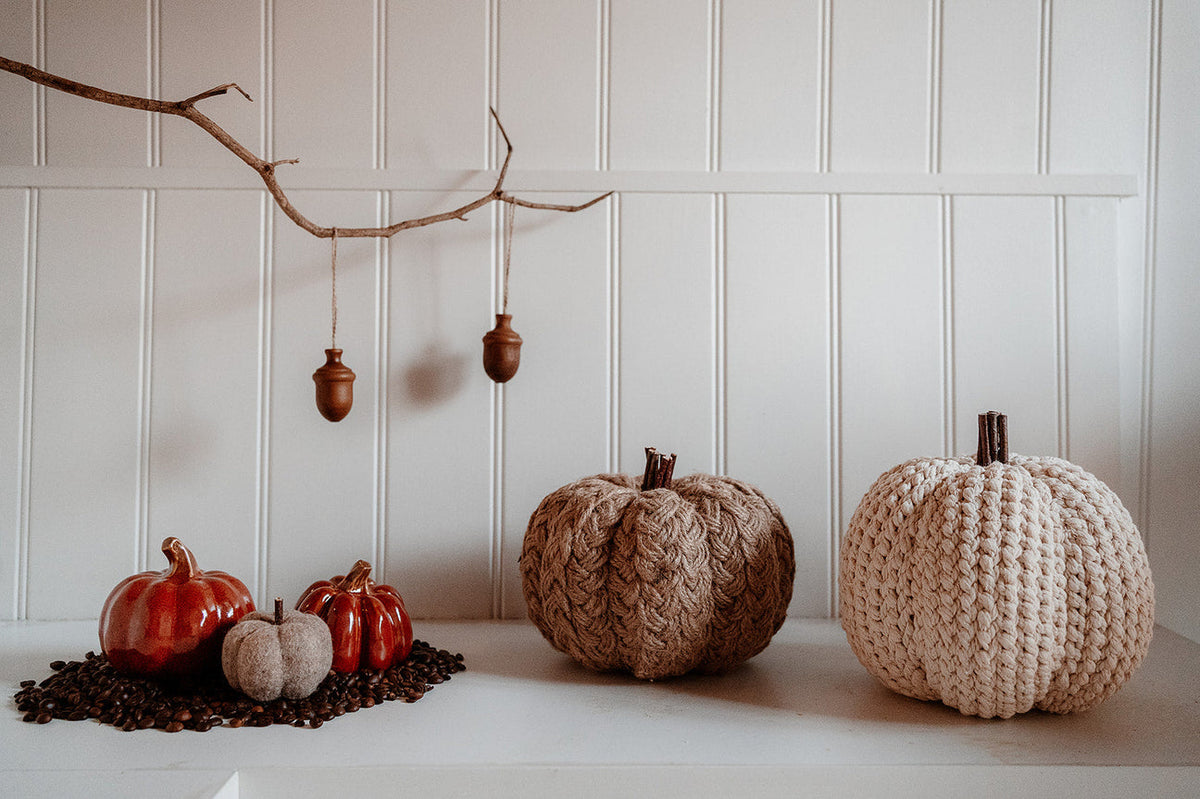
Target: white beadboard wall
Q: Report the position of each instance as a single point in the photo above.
(841, 229)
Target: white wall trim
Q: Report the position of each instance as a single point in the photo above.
(629, 182)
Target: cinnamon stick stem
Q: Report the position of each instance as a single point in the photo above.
(993, 439)
(1002, 440)
(983, 452)
(659, 470)
(668, 470)
(993, 436)
(279, 610)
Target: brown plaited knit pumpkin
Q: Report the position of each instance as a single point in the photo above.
(661, 579)
(996, 584)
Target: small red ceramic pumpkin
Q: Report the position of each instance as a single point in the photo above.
(368, 623)
(171, 623)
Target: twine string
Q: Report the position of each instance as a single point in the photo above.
(333, 295)
(510, 213)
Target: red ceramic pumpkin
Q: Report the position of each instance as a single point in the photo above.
(171, 623)
(368, 622)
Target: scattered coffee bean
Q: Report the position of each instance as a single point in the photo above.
(92, 688)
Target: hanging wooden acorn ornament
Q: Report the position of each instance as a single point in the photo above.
(502, 344)
(334, 380)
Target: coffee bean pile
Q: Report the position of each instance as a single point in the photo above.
(93, 689)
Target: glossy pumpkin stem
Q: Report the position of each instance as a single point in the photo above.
(182, 563)
(279, 610)
(993, 439)
(659, 470)
(357, 579)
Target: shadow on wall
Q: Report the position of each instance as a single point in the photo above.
(434, 377)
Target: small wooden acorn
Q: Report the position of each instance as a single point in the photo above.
(286, 654)
(335, 387)
(501, 350)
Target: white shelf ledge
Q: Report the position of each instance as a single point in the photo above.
(300, 177)
(801, 718)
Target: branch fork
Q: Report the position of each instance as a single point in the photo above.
(266, 169)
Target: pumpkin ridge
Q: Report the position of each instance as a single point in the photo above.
(618, 577)
(1042, 599)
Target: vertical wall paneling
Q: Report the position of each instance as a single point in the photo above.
(15, 276)
(890, 337)
(1149, 269)
(439, 416)
(613, 303)
(879, 108)
(145, 373)
(777, 351)
(322, 474)
(803, 341)
(1006, 330)
(437, 70)
(716, 10)
(603, 75)
(204, 396)
(499, 393)
(267, 73)
(83, 133)
(383, 335)
(192, 35)
(659, 72)
(989, 86)
(825, 86)
(380, 76)
(950, 429)
(667, 359)
(1092, 337)
(1045, 39)
(1174, 330)
(1063, 364)
(769, 85)
(154, 80)
(836, 483)
(556, 407)
(719, 331)
(493, 142)
(84, 457)
(17, 97)
(1102, 111)
(551, 122)
(933, 158)
(324, 94)
(265, 339)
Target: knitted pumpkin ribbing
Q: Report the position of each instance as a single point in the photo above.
(658, 582)
(998, 588)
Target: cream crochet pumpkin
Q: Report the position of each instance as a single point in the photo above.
(996, 584)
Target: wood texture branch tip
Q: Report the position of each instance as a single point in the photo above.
(266, 169)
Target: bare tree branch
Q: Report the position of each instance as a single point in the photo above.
(266, 169)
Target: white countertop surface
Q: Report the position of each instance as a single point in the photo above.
(801, 718)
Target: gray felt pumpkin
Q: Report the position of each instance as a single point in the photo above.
(285, 654)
